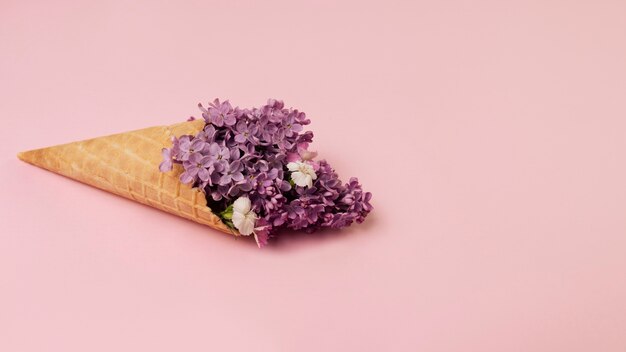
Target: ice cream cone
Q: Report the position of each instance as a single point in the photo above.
(127, 164)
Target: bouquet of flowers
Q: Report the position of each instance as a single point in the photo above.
(242, 171)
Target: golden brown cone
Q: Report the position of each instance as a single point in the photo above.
(127, 164)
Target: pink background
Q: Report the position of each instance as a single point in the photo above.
(492, 134)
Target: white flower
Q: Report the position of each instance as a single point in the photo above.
(243, 216)
(302, 174)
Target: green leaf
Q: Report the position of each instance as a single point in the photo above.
(227, 214)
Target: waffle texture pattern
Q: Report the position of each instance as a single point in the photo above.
(127, 164)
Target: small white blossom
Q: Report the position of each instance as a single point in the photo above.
(302, 173)
(243, 216)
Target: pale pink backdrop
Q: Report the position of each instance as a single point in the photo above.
(492, 134)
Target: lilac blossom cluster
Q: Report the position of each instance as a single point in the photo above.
(261, 156)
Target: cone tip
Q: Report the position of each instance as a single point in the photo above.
(26, 156)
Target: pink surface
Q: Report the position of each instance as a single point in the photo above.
(491, 133)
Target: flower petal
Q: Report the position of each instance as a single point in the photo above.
(204, 174)
(238, 219)
(245, 225)
(165, 166)
(299, 178)
(186, 178)
(242, 205)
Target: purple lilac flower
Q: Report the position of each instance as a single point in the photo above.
(166, 164)
(219, 153)
(232, 172)
(219, 114)
(246, 132)
(245, 152)
(170, 155)
(291, 124)
(207, 134)
(192, 166)
(189, 146)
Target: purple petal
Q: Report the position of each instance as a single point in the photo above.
(261, 237)
(284, 186)
(225, 179)
(235, 154)
(165, 166)
(240, 138)
(272, 174)
(241, 126)
(204, 174)
(197, 144)
(186, 178)
(194, 158)
(215, 178)
(293, 157)
(237, 176)
(246, 186)
(219, 166)
(214, 149)
(235, 166)
(218, 120)
(184, 144)
(230, 119)
(193, 170)
(206, 161)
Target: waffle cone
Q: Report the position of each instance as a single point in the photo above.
(127, 164)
